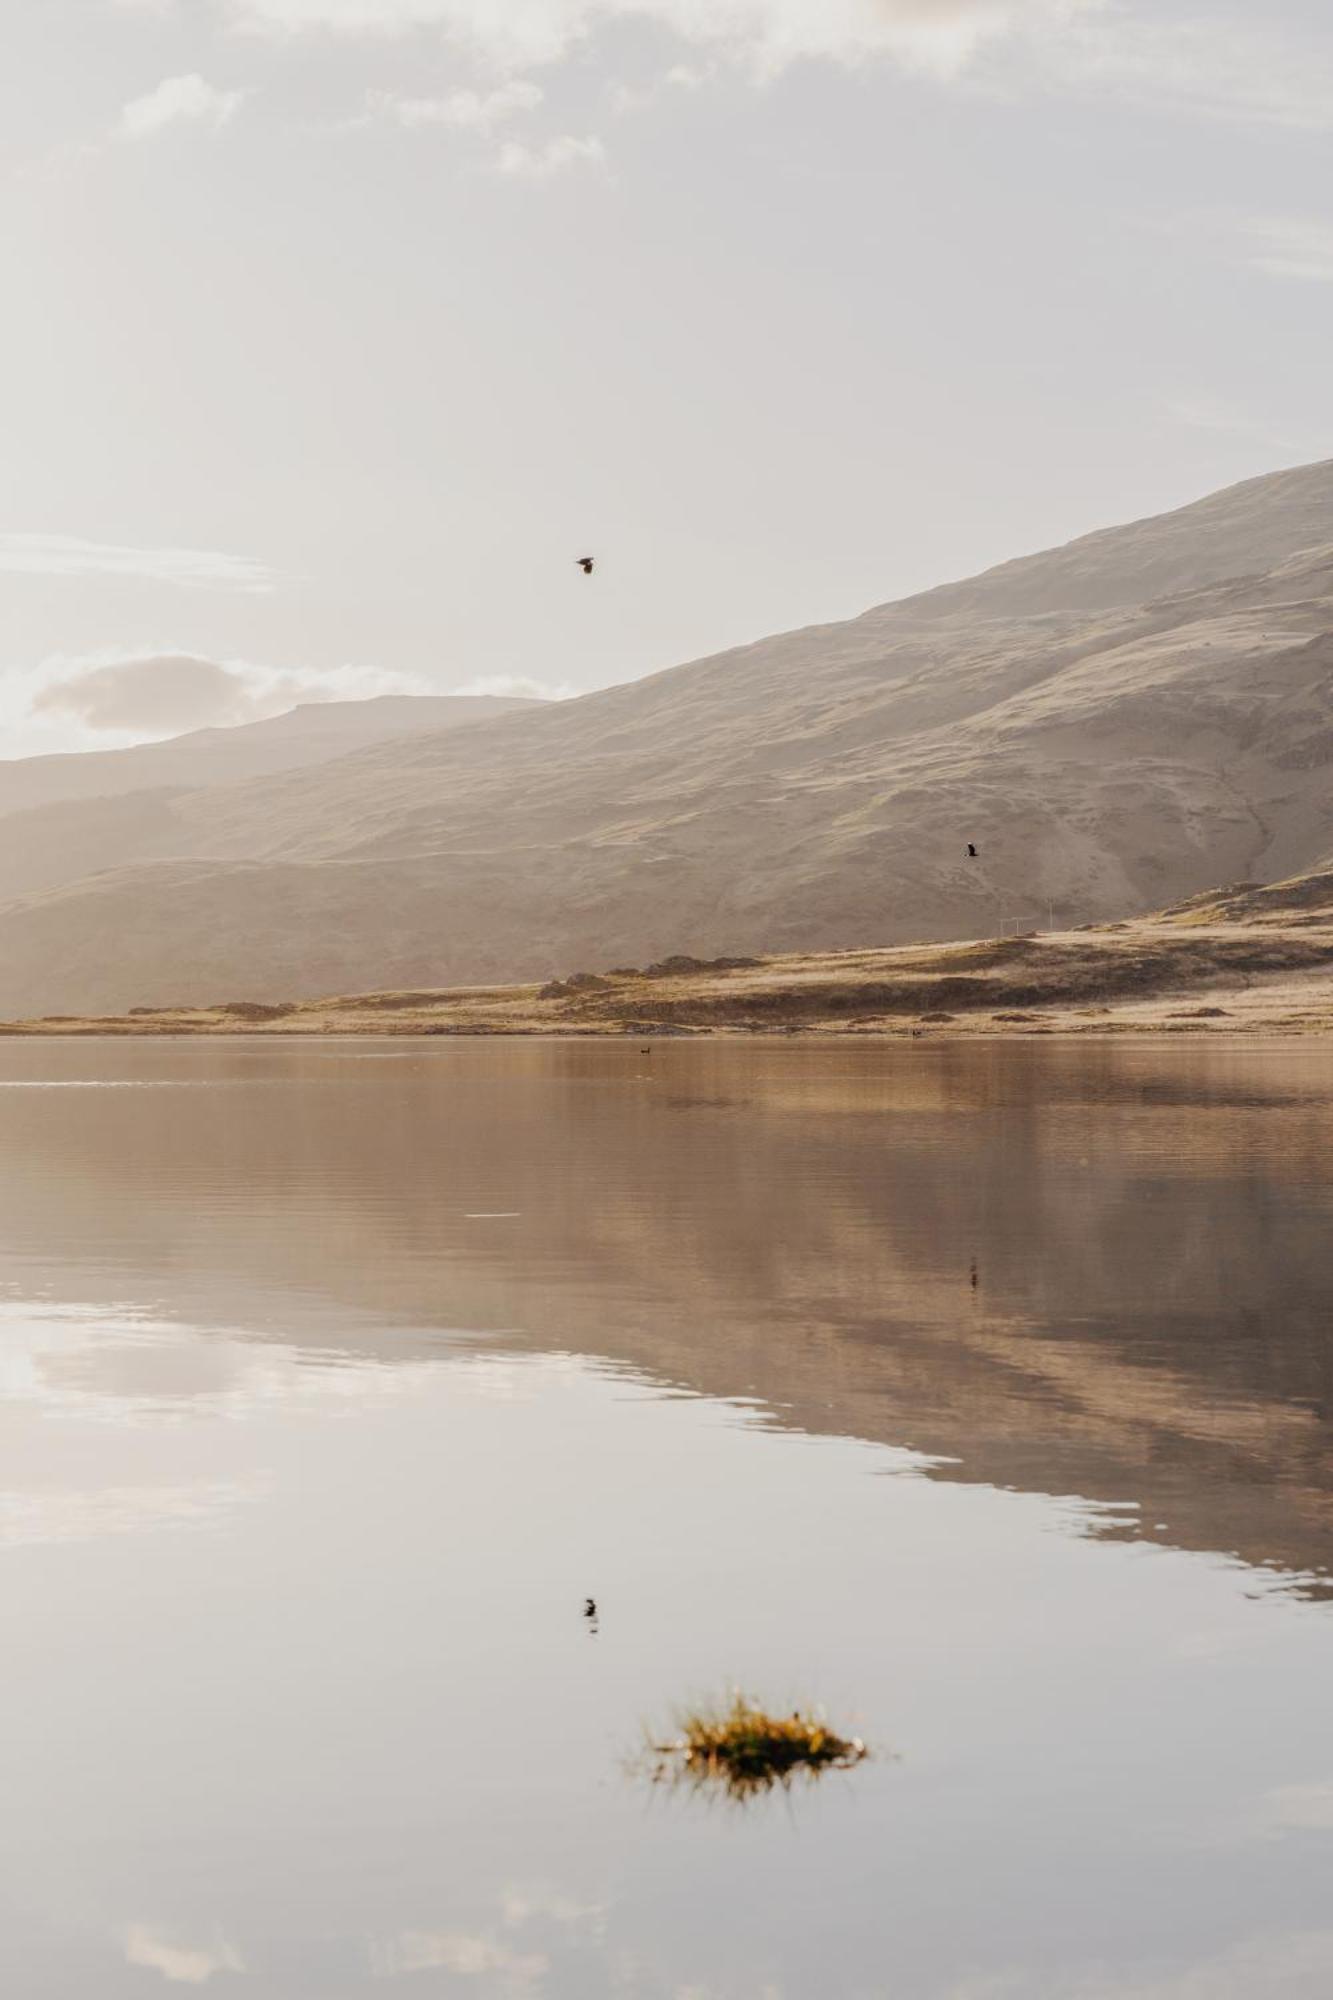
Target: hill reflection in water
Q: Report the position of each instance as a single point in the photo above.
(1089, 1270)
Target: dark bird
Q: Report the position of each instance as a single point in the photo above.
(589, 1608)
(971, 851)
(585, 563)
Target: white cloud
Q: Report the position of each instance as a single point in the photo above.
(136, 697)
(540, 162)
(1252, 72)
(185, 1965)
(1290, 246)
(1255, 70)
(1282, 1966)
(42, 1518)
(460, 1952)
(1299, 1809)
(626, 98)
(70, 555)
(1281, 246)
(466, 110)
(519, 1906)
(1206, 413)
(769, 33)
(178, 100)
(517, 684)
(505, 1966)
(164, 693)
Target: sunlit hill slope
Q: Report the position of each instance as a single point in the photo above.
(1116, 725)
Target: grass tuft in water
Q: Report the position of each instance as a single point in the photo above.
(742, 1750)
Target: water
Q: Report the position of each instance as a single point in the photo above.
(981, 1393)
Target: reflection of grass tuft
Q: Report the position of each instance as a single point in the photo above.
(742, 1750)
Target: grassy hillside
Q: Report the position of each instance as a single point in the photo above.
(311, 733)
(1236, 959)
(1107, 752)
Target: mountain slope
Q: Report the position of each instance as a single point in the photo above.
(1236, 532)
(74, 815)
(1107, 753)
(312, 733)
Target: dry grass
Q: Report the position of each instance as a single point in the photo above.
(1234, 962)
(741, 1750)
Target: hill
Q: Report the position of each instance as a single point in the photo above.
(1115, 725)
(75, 813)
(311, 733)
(1231, 960)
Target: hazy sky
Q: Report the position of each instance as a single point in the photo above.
(334, 330)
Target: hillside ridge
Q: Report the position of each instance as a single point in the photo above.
(812, 791)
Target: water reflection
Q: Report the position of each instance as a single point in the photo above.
(1100, 1271)
(181, 1964)
(332, 1391)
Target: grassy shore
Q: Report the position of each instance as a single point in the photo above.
(1235, 961)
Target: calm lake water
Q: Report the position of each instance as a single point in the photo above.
(981, 1393)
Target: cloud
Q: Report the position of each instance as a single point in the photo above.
(1240, 71)
(769, 33)
(517, 684)
(1290, 246)
(186, 1965)
(163, 694)
(540, 162)
(1283, 1966)
(178, 100)
(1299, 1809)
(167, 693)
(524, 1905)
(460, 1952)
(69, 555)
(1251, 70)
(466, 110)
(39, 1519)
(1205, 413)
(626, 98)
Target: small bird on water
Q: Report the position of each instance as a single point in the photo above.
(585, 563)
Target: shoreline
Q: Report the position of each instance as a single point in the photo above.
(1197, 971)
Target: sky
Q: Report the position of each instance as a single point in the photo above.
(335, 330)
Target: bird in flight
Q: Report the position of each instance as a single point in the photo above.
(585, 563)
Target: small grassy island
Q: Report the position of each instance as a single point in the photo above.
(742, 1750)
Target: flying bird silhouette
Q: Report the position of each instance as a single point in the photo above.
(585, 563)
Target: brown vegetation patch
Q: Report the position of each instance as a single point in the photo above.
(742, 1750)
